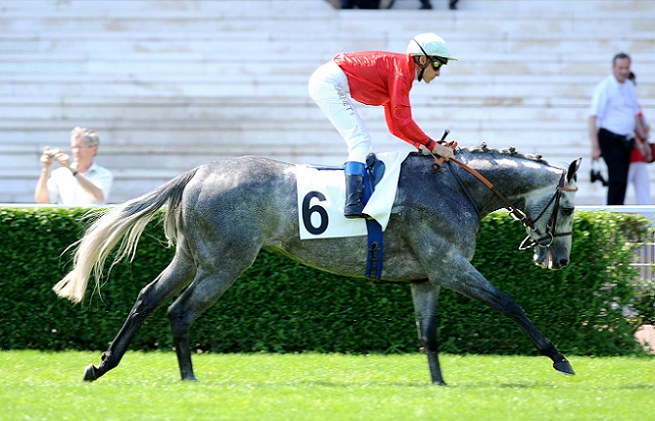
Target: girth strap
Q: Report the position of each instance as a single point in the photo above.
(374, 256)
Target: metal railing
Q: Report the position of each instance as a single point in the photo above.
(644, 260)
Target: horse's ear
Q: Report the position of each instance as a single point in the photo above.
(573, 169)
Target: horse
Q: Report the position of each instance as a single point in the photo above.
(219, 215)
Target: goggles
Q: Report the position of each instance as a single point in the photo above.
(436, 62)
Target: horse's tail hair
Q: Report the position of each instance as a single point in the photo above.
(124, 223)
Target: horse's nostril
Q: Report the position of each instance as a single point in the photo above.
(563, 263)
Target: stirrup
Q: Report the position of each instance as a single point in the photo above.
(355, 213)
(356, 216)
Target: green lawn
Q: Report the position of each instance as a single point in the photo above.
(146, 386)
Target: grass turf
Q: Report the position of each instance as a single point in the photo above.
(146, 386)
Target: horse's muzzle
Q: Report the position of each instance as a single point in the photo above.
(543, 256)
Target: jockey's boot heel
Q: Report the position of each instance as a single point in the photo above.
(354, 189)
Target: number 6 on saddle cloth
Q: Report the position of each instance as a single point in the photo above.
(320, 204)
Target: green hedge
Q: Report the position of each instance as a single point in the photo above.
(280, 306)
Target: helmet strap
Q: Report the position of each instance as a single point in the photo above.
(420, 75)
(427, 60)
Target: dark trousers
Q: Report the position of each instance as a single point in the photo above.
(616, 153)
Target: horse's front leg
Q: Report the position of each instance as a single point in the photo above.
(468, 281)
(425, 296)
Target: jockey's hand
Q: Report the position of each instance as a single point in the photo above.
(444, 151)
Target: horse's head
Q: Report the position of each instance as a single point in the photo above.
(551, 230)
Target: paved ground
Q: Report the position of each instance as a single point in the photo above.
(646, 335)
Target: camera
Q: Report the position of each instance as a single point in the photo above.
(597, 176)
(53, 152)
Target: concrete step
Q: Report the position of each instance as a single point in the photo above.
(169, 85)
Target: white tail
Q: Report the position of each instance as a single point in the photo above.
(124, 223)
(93, 249)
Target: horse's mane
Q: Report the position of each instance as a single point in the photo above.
(484, 149)
(511, 151)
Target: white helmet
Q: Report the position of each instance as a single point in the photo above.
(429, 44)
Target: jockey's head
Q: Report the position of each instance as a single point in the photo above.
(433, 47)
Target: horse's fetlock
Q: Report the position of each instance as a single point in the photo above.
(549, 350)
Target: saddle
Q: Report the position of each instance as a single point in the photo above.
(374, 172)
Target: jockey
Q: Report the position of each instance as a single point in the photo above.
(376, 78)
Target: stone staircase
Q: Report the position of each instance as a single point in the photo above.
(172, 84)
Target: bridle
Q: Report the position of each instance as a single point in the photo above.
(551, 227)
(546, 240)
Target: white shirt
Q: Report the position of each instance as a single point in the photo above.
(64, 189)
(615, 106)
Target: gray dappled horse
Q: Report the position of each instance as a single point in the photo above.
(221, 214)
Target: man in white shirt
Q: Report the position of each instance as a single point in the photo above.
(613, 119)
(81, 183)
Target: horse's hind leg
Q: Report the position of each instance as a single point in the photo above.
(175, 277)
(204, 291)
(425, 296)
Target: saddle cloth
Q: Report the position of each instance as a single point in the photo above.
(321, 197)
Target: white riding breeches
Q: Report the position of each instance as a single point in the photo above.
(328, 87)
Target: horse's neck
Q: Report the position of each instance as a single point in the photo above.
(516, 178)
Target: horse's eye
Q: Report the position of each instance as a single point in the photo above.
(568, 211)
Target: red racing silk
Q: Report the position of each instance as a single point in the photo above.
(383, 78)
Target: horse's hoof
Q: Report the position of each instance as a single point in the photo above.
(189, 377)
(564, 367)
(90, 373)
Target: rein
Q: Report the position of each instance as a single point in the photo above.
(515, 212)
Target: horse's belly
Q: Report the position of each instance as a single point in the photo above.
(348, 257)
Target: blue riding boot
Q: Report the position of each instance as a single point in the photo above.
(354, 207)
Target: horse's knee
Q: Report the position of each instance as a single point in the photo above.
(509, 308)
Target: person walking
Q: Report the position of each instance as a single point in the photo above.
(612, 122)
